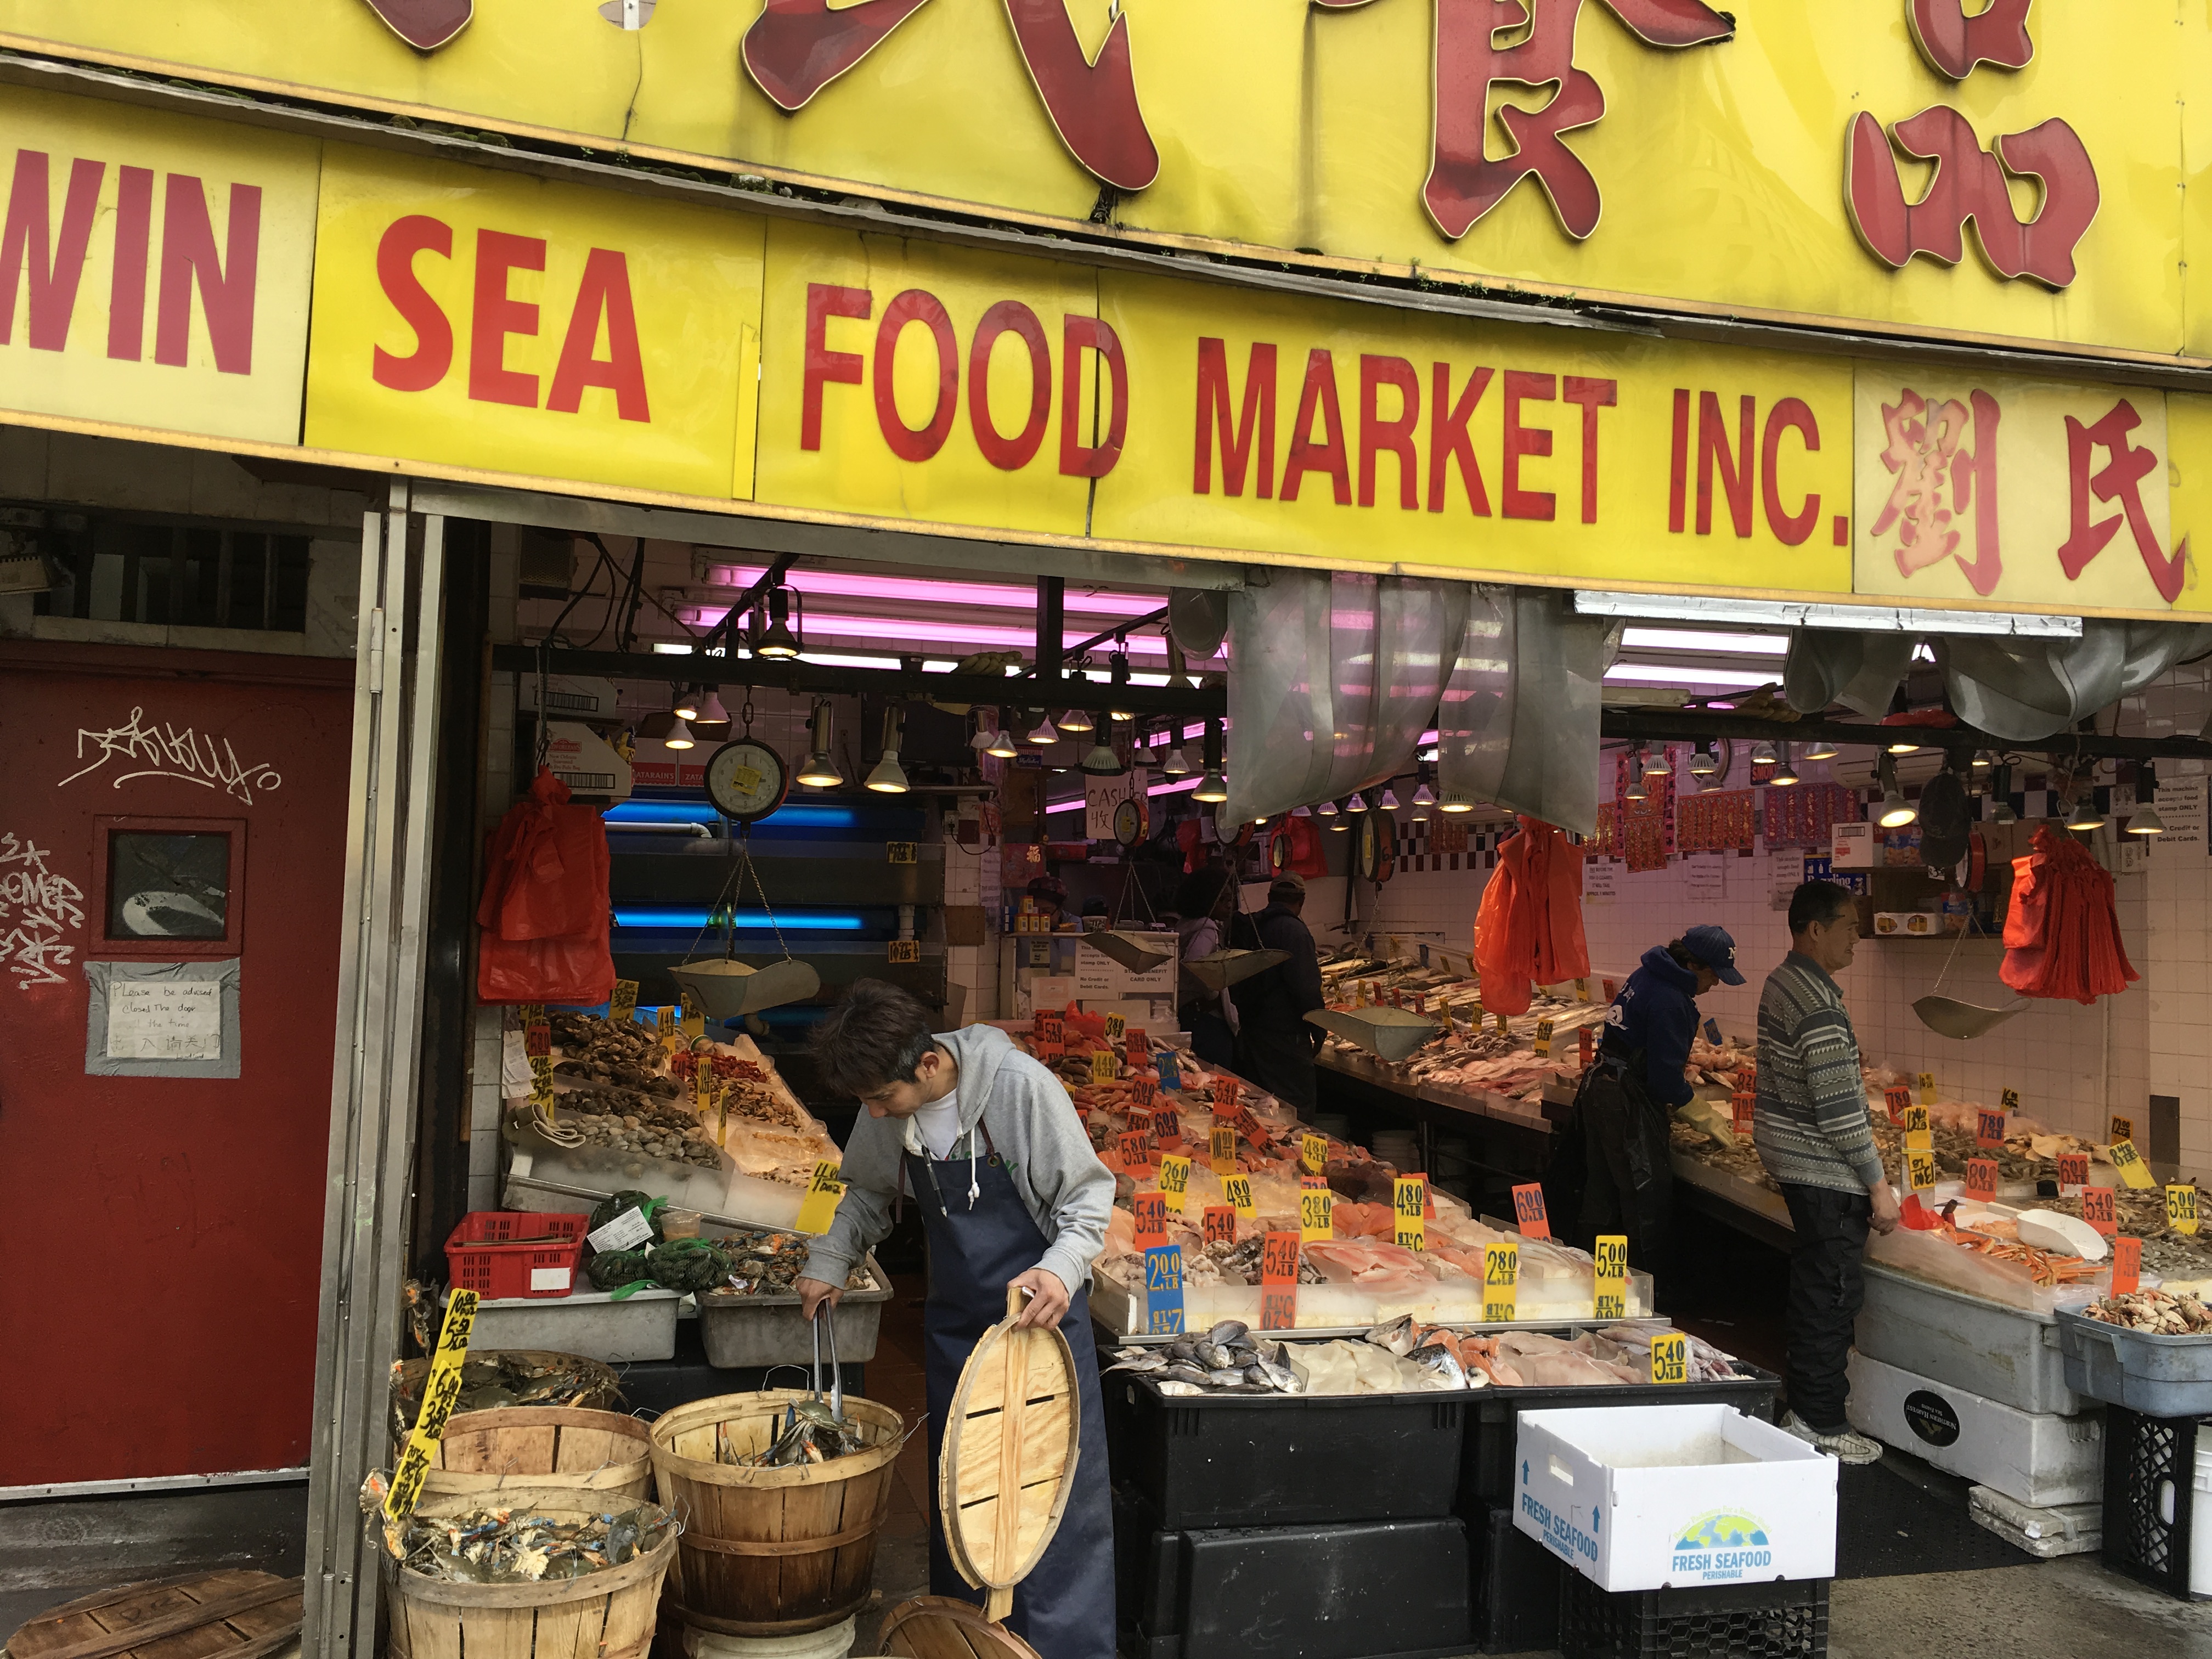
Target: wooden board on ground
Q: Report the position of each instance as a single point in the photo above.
(230, 1615)
(940, 1627)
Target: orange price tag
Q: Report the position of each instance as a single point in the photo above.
(1528, 1211)
(1220, 1223)
(1152, 1209)
(1988, 1128)
(1225, 1092)
(1896, 1100)
(1139, 1048)
(1278, 1258)
(1982, 1179)
(1428, 1194)
(1050, 1025)
(1167, 1125)
(536, 1040)
(1143, 1091)
(2099, 1210)
(2127, 1265)
(1132, 1145)
(2073, 1173)
(1744, 1105)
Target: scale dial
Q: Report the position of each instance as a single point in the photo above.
(746, 780)
(1129, 823)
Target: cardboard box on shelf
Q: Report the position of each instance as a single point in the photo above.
(1856, 846)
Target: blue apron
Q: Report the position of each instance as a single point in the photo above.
(1065, 1607)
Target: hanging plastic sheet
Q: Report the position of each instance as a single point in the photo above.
(1335, 676)
(1518, 725)
(1860, 671)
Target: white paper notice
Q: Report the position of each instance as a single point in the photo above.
(1785, 871)
(1601, 881)
(165, 1020)
(552, 1278)
(2181, 804)
(1097, 975)
(1708, 880)
(625, 1232)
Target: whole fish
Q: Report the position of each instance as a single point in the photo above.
(1223, 1377)
(1438, 1362)
(1228, 1331)
(1285, 1379)
(1142, 1365)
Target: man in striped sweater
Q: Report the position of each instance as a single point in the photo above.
(1813, 1134)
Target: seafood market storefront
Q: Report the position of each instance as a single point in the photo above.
(692, 326)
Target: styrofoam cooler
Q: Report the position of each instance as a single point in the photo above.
(2011, 1355)
(1643, 1497)
(2035, 1458)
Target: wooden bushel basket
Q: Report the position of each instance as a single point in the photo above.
(545, 1447)
(602, 1615)
(771, 1552)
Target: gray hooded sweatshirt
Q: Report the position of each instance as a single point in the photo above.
(1035, 1130)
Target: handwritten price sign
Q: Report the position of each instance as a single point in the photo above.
(2130, 1163)
(1279, 1281)
(1916, 1120)
(1920, 1169)
(1313, 1154)
(1174, 1180)
(1151, 1210)
(2009, 1099)
(1897, 1099)
(1744, 1106)
(1117, 1028)
(1237, 1189)
(2127, 1266)
(1670, 1357)
(1226, 1091)
(1135, 1158)
(2073, 1173)
(2181, 1207)
(1221, 1149)
(1409, 1198)
(1220, 1221)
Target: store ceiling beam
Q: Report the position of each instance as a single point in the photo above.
(807, 678)
(750, 529)
(1689, 724)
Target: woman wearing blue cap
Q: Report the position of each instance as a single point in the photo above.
(1633, 1085)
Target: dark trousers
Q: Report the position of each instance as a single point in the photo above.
(1210, 1039)
(1827, 1285)
(1281, 1062)
(1629, 1184)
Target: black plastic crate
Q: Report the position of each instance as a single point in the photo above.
(1514, 1589)
(1389, 1590)
(2150, 1469)
(1224, 1460)
(1486, 1458)
(1783, 1619)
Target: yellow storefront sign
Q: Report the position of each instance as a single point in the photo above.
(154, 269)
(486, 319)
(1760, 159)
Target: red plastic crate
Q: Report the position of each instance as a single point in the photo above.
(479, 1259)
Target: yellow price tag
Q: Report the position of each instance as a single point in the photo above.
(1916, 1117)
(2009, 1099)
(623, 1004)
(665, 1017)
(819, 1207)
(1237, 1189)
(1919, 1141)
(2130, 1163)
(1102, 1066)
(704, 1076)
(1927, 1081)
(1221, 1149)
(2181, 1207)
(1543, 1039)
(1503, 1026)
(1409, 1203)
(2123, 1128)
(1501, 1280)
(1317, 1212)
(1581, 990)
(1175, 1180)
(442, 1389)
(541, 1078)
(693, 1026)
(1612, 1277)
(1920, 1169)
(1313, 1154)
(1670, 1357)
(1116, 1027)
(902, 949)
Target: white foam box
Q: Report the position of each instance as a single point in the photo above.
(1638, 1497)
(2046, 1534)
(2030, 1457)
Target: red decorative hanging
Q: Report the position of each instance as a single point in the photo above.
(2062, 934)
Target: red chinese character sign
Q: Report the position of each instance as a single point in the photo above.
(2025, 492)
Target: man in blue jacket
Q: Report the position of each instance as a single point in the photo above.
(1633, 1085)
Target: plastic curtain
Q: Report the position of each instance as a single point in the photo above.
(1334, 678)
(1518, 725)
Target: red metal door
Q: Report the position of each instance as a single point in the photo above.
(163, 1232)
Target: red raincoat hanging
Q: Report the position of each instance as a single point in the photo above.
(1529, 928)
(2062, 934)
(546, 910)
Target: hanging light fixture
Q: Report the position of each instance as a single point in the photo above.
(1003, 746)
(1390, 798)
(986, 729)
(888, 777)
(1983, 759)
(1703, 762)
(1177, 764)
(2082, 812)
(1819, 749)
(1075, 720)
(1118, 672)
(1301, 812)
(1455, 800)
(1895, 811)
(1102, 762)
(776, 641)
(1636, 791)
(1423, 800)
(1356, 804)
(2145, 820)
(1044, 736)
(1655, 764)
(711, 712)
(1343, 819)
(1785, 774)
(1762, 753)
(821, 770)
(1211, 789)
(2001, 796)
(1326, 810)
(687, 704)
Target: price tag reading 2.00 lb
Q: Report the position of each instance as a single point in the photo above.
(1501, 1280)
(1612, 1277)
(1163, 1290)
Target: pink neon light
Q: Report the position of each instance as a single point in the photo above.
(1175, 788)
(994, 594)
(894, 631)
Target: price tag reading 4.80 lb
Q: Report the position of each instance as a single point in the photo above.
(2181, 1207)
(1313, 1154)
(1317, 1211)
(1670, 1357)
(2130, 1163)
(1409, 1197)
(1612, 1277)
(1501, 1280)
(2100, 1209)
(1989, 1129)
(1237, 1189)
(1528, 1211)
(1174, 1180)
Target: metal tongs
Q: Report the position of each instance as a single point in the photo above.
(837, 1371)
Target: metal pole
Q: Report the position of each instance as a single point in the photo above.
(374, 1073)
(1051, 635)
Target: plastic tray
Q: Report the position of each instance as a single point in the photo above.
(1214, 1461)
(479, 1257)
(2007, 1354)
(2158, 1376)
(1787, 1619)
(641, 1326)
(742, 1331)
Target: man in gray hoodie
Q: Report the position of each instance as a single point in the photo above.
(989, 1146)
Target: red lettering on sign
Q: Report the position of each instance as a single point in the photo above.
(56, 266)
(226, 280)
(496, 316)
(403, 239)
(1077, 335)
(1525, 386)
(1731, 458)
(1318, 398)
(1449, 440)
(1937, 474)
(796, 47)
(1678, 468)
(425, 25)
(1713, 452)
(1591, 395)
(1791, 414)
(134, 231)
(1256, 422)
(2120, 480)
(823, 301)
(916, 443)
(1953, 43)
(1396, 434)
(1009, 317)
(603, 294)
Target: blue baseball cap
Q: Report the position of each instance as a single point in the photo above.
(1713, 947)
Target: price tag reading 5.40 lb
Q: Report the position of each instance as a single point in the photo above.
(2181, 1207)
(1225, 1090)
(1409, 1198)
(1501, 1280)
(1317, 1211)
(2100, 1209)
(1152, 1212)
(1612, 1277)
(1670, 1357)
(1220, 1222)
(1528, 1211)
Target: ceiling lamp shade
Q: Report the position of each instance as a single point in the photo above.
(1390, 798)
(2145, 820)
(1044, 736)
(1703, 762)
(1655, 764)
(888, 777)
(820, 770)
(1118, 672)
(687, 704)
(1820, 749)
(1177, 764)
(777, 642)
(1895, 810)
(1356, 804)
(1785, 774)
(1211, 789)
(1102, 762)
(2082, 813)
(1455, 800)
(1075, 720)
(2001, 810)
(1326, 810)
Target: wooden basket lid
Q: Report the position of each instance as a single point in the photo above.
(1010, 1443)
(940, 1627)
(232, 1613)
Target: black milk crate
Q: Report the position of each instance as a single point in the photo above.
(2150, 1483)
(1227, 1460)
(1513, 1593)
(1386, 1589)
(1486, 1463)
(1784, 1619)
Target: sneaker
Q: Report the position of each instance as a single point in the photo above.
(1845, 1446)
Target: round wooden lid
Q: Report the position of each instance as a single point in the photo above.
(940, 1627)
(1010, 1450)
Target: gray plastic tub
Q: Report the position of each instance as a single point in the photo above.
(2158, 1376)
(641, 1326)
(745, 1331)
(2011, 1355)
